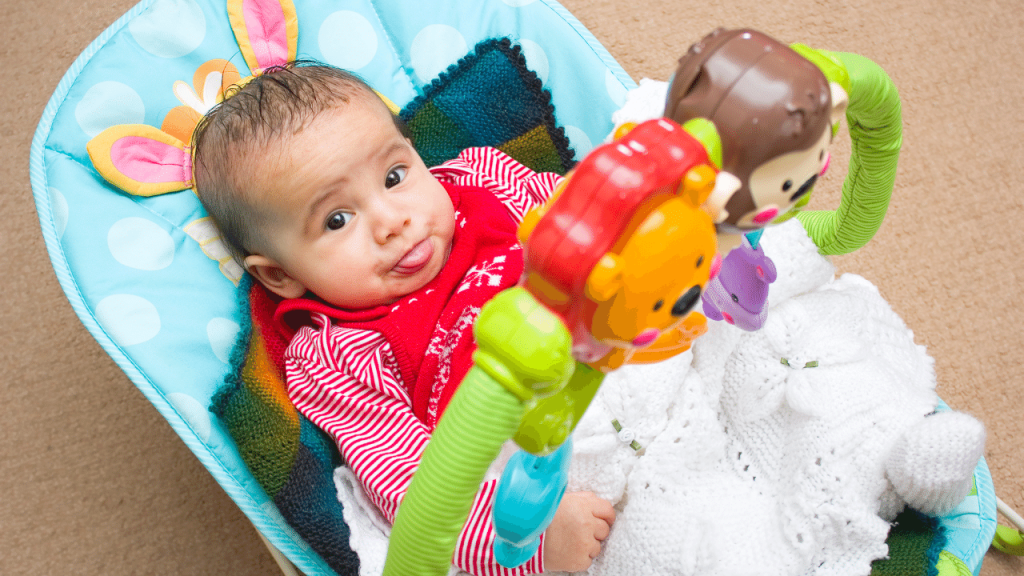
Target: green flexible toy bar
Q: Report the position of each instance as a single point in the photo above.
(523, 352)
(482, 415)
(876, 129)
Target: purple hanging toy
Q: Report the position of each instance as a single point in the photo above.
(739, 294)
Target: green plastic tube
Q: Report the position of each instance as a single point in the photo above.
(876, 132)
(481, 416)
(523, 350)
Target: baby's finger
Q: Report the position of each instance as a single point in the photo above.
(603, 510)
(601, 529)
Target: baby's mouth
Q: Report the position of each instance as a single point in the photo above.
(415, 259)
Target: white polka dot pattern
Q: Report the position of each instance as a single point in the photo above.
(141, 244)
(222, 333)
(347, 40)
(193, 412)
(434, 49)
(170, 28)
(128, 319)
(107, 104)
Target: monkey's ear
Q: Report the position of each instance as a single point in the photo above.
(838, 79)
(840, 102)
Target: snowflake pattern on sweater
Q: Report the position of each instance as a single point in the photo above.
(442, 347)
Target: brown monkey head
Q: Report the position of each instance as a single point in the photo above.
(772, 109)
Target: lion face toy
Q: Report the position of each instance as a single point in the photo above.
(656, 278)
(623, 250)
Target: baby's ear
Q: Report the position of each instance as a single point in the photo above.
(273, 276)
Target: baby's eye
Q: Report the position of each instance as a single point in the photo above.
(338, 219)
(395, 177)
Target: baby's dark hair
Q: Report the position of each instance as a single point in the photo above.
(277, 103)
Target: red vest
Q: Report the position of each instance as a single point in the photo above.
(430, 330)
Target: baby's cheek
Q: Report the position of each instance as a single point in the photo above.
(447, 216)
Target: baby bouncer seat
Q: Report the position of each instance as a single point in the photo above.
(145, 271)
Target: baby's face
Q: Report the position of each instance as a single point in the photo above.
(357, 218)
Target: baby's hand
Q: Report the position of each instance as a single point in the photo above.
(573, 539)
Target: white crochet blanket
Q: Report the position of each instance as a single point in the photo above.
(747, 465)
(750, 466)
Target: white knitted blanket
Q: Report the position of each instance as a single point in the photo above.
(748, 465)
(752, 466)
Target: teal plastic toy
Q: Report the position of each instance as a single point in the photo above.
(529, 492)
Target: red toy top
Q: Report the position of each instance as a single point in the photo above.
(622, 237)
(603, 195)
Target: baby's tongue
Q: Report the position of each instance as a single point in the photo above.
(415, 258)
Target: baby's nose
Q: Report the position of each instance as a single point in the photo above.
(389, 222)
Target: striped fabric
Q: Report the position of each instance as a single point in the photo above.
(347, 381)
(518, 187)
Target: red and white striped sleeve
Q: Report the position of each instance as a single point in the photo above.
(474, 551)
(347, 382)
(518, 187)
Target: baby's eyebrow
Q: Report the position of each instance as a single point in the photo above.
(395, 146)
(314, 207)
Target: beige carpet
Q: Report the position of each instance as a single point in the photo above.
(92, 481)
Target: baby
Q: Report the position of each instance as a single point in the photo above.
(381, 265)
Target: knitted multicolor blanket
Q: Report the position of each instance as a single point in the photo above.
(489, 98)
